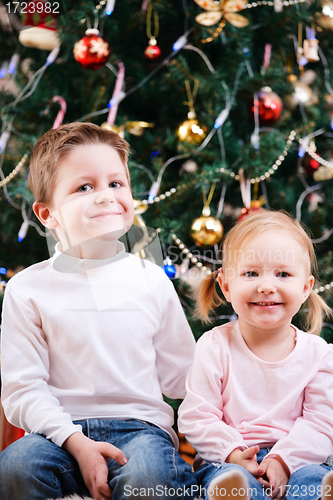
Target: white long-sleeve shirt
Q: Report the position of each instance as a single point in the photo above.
(92, 339)
(236, 400)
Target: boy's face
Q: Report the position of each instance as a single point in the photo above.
(92, 198)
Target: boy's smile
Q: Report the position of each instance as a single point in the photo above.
(92, 201)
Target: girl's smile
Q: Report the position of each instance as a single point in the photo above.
(267, 304)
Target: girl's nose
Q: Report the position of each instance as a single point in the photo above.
(266, 286)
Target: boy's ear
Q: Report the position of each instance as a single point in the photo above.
(224, 286)
(44, 214)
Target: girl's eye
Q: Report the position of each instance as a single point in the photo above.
(283, 274)
(84, 188)
(115, 184)
(250, 274)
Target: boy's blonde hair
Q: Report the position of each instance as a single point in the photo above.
(55, 144)
(238, 237)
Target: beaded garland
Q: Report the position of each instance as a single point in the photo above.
(189, 254)
(286, 3)
(15, 171)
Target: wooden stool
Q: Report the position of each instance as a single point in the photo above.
(186, 451)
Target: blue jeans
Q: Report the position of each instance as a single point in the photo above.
(304, 484)
(34, 468)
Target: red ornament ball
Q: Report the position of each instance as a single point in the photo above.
(152, 52)
(269, 106)
(310, 164)
(91, 51)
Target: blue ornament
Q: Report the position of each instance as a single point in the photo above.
(169, 270)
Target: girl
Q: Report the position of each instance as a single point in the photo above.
(259, 404)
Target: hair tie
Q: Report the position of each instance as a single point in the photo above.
(217, 272)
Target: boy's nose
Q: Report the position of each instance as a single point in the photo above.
(104, 197)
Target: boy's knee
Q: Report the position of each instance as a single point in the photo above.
(28, 458)
(18, 461)
(32, 464)
(154, 479)
(14, 473)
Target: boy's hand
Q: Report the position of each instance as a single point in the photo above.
(247, 459)
(277, 477)
(92, 457)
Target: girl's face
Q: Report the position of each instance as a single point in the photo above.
(268, 281)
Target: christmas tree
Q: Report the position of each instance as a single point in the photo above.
(227, 106)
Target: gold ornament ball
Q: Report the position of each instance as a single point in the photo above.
(140, 207)
(114, 128)
(206, 231)
(302, 94)
(191, 132)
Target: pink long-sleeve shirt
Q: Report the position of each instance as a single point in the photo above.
(236, 400)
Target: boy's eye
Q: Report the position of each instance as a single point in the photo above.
(283, 274)
(115, 184)
(251, 274)
(84, 188)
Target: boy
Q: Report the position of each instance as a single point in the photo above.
(91, 338)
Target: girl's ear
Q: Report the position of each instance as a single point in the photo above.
(44, 214)
(224, 285)
(308, 287)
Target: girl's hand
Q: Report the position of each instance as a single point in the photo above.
(92, 457)
(277, 477)
(247, 459)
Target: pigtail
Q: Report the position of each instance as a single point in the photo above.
(207, 297)
(317, 307)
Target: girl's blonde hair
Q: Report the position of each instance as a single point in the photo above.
(238, 237)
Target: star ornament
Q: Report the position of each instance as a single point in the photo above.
(222, 11)
(99, 47)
